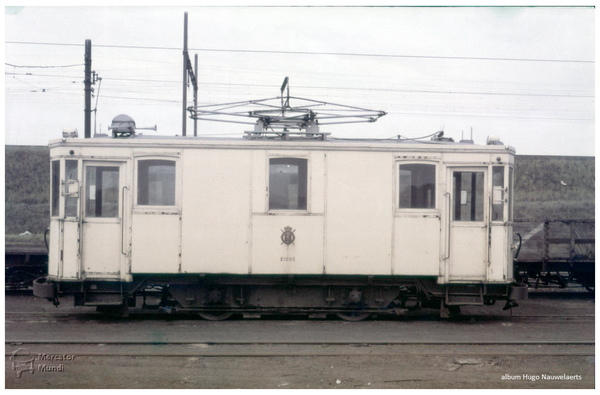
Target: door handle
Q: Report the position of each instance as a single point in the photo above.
(449, 205)
(123, 218)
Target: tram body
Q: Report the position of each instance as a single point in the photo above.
(272, 225)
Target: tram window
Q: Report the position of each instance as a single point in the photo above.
(70, 201)
(498, 193)
(156, 183)
(468, 192)
(55, 187)
(417, 186)
(288, 183)
(102, 191)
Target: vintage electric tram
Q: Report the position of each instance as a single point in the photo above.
(280, 221)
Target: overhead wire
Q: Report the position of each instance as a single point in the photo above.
(429, 102)
(430, 106)
(335, 88)
(42, 67)
(310, 53)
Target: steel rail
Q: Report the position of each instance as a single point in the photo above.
(216, 349)
(340, 354)
(312, 343)
(187, 314)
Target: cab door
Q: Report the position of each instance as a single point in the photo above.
(71, 222)
(65, 222)
(500, 256)
(102, 229)
(467, 244)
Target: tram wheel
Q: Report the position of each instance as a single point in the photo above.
(215, 316)
(353, 316)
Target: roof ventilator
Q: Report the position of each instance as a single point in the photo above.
(124, 126)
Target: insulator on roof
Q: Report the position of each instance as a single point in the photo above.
(70, 133)
(494, 140)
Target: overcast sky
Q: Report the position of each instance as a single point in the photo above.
(523, 74)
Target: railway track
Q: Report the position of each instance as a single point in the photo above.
(15, 316)
(253, 349)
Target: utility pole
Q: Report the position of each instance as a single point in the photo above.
(195, 93)
(185, 65)
(88, 89)
(188, 72)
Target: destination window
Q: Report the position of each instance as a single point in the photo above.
(156, 183)
(288, 179)
(417, 186)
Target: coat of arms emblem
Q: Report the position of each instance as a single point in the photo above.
(288, 237)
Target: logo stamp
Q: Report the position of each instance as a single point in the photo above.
(287, 235)
(23, 361)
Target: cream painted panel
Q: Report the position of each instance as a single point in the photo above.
(71, 249)
(54, 247)
(474, 158)
(216, 207)
(468, 259)
(101, 249)
(114, 151)
(417, 246)
(155, 243)
(359, 213)
(271, 256)
(497, 268)
(259, 182)
(317, 182)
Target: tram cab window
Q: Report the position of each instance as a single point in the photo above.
(70, 200)
(288, 183)
(498, 193)
(156, 183)
(469, 200)
(102, 191)
(55, 187)
(417, 186)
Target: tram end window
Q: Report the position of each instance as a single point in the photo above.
(102, 191)
(468, 187)
(71, 188)
(498, 193)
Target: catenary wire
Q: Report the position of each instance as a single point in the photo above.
(327, 87)
(310, 53)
